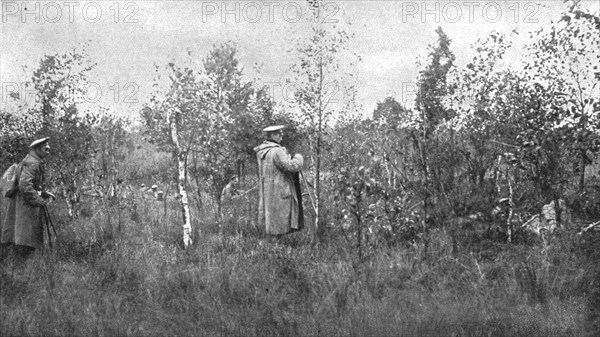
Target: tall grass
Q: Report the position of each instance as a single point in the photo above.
(100, 280)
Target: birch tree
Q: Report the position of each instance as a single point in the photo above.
(173, 120)
(321, 81)
(432, 88)
(183, 119)
(566, 56)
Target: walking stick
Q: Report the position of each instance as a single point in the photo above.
(48, 225)
(308, 190)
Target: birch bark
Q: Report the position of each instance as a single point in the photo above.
(181, 174)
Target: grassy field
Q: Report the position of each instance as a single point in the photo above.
(134, 279)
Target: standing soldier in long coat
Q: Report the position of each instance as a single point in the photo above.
(24, 219)
(280, 199)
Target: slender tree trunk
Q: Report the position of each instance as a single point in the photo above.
(181, 178)
(582, 153)
(196, 177)
(453, 167)
(108, 233)
(93, 170)
(582, 170)
(318, 185)
(359, 232)
(557, 211)
(220, 215)
(424, 182)
(165, 200)
(116, 190)
(511, 203)
(318, 150)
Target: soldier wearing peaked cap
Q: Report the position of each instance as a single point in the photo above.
(154, 192)
(271, 130)
(280, 199)
(24, 219)
(141, 192)
(39, 142)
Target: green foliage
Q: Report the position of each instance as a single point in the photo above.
(483, 96)
(15, 136)
(59, 82)
(543, 112)
(432, 85)
(322, 73)
(433, 139)
(250, 107)
(218, 115)
(371, 199)
(566, 56)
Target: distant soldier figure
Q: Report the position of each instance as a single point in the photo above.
(280, 198)
(23, 224)
(228, 194)
(153, 192)
(160, 196)
(142, 191)
(126, 193)
(230, 190)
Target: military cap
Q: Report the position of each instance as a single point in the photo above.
(273, 128)
(39, 142)
(154, 186)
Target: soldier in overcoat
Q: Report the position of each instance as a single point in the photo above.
(280, 199)
(24, 219)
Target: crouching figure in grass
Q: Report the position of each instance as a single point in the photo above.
(280, 198)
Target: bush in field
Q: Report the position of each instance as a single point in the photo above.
(545, 113)
(586, 203)
(431, 113)
(564, 60)
(372, 204)
(322, 74)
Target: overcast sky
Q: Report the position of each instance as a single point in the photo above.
(129, 37)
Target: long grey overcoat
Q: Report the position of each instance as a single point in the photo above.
(279, 196)
(23, 222)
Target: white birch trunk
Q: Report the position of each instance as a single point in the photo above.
(511, 209)
(181, 175)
